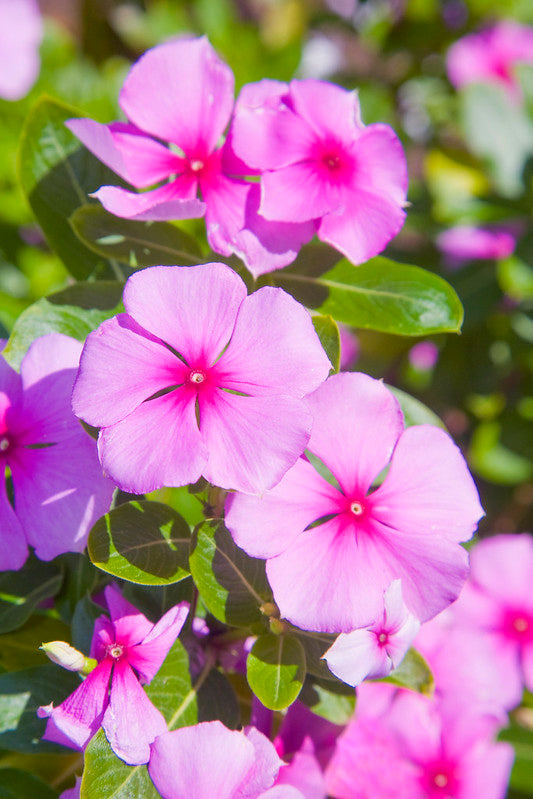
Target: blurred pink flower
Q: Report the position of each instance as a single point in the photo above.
(129, 650)
(197, 378)
(59, 489)
(312, 532)
(491, 55)
(21, 31)
(349, 347)
(468, 243)
(320, 164)
(423, 356)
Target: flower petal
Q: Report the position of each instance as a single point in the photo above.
(381, 164)
(328, 109)
(180, 74)
(148, 656)
(357, 655)
(13, 547)
(502, 568)
(129, 625)
(297, 193)
(265, 766)
(174, 200)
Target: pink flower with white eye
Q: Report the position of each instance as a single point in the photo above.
(21, 31)
(468, 243)
(497, 602)
(319, 163)
(312, 531)
(197, 378)
(58, 486)
(375, 651)
(129, 650)
(181, 92)
(491, 56)
(209, 760)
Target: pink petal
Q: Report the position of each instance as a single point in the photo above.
(139, 460)
(47, 354)
(357, 424)
(203, 761)
(265, 766)
(304, 773)
(266, 525)
(137, 158)
(527, 665)
(148, 656)
(191, 308)
(274, 348)
(381, 164)
(131, 722)
(252, 441)
(180, 74)
(174, 200)
(13, 547)
(328, 109)
(297, 193)
(129, 625)
(502, 567)
(122, 365)
(21, 31)
(486, 770)
(225, 199)
(428, 490)
(80, 715)
(355, 656)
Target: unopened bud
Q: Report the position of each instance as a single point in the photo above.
(69, 658)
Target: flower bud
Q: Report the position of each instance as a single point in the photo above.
(66, 656)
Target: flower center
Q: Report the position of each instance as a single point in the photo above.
(197, 376)
(357, 508)
(115, 650)
(4, 444)
(197, 165)
(383, 638)
(440, 780)
(521, 624)
(332, 161)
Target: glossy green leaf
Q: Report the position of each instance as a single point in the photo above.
(57, 173)
(142, 542)
(20, 648)
(22, 591)
(332, 701)
(379, 295)
(275, 669)
(414, 673)
(17, 784)
(232, 584)
(328, 332)
(105, 775)
(172, 691)
(75, 311)
(136, 244)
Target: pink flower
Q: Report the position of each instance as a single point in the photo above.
(349, 347)
(320, 163)
(332, 551)
(209, 760)
(121, 645)
(21, 31)
(199, 379)
(181, 92)
(423, 356)
(490, 57)
(57, 481)
(376, 650)
(468, 243)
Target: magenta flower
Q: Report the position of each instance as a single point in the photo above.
(209, 760)
(199, 379)
(312, 532)
(21, 31)
(491, 56)
(423, 356)
(129, 650)
(376, 650)
(467, 243)
(320, 163)
(57, 481)
(181, 92)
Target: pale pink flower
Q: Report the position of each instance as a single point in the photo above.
(423, 356)
(349, 347)
(209, 760)
(58, 486)
(468, 243)
(129, 650)
(21, 31)
(376, 650)
(491, 56)
(199, 379)
(319, 163)
(181, 92)
(332, 551)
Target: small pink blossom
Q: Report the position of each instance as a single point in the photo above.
(468, 243)
(129, 650)
(59, 490)
(313, 532)
(209, 760)
(320, 164)
(21, 31)
(376, 650)
(491, 56)
(423, 356)
(196, 378)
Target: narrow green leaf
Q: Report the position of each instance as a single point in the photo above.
(142, 542)
(17, 784)
(328, 332)
(136, 244)
(414, 673)
(232, 584)
(275, 670)
(22, 591)
(379, 295)
(106, 776)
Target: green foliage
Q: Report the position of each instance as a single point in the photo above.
(413, 673)
(21, 592)
(17, 784)
(328, 333)
(105, 775)
(275, 669)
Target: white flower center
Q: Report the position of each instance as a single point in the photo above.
(356, 508)
(440, 780)
(197, 377)
(115, 650)
(4, 444)
(197, 165)
(382, 638)
(521, 624)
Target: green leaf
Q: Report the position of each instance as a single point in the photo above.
(217, 700)
(57, 173)
(105, 775)
(21, 693)
(22, 591)
(136, 244)
(329, 700)
(172, 692)
(522, 740)
(275, 669)
(414, 411)
(414, 673)
(328, 332)
(20, 649)
(495, 462)
(16, 784)
(142, 542)
(75, 311)
(379, 295)
(516, 278)
(232, 584)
